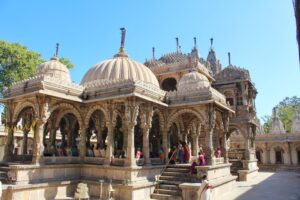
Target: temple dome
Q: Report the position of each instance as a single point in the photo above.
(193, 81)
(121, 67)
(54, 68)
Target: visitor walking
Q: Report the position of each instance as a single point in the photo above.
(205, 189)
(186, 151)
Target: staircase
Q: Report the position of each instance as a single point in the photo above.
(167, 186)
(4, 168)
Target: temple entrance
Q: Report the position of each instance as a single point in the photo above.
(278, 157)
(298, 156)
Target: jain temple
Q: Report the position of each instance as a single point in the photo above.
(63, 140)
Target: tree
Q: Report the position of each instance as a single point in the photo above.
(286, 110)
(16, 63)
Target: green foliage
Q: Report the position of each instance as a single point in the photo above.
(16, 63)
(66, 62)
(267, 119)
(286, 110)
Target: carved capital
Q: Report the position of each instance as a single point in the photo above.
(146, 115)
(131, 113)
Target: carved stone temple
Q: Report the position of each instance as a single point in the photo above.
(90, 132)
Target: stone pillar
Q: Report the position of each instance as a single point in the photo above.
(69, 134)
(195, 146)
(165, 144)
(268, 154)
(146, 123)
(25, 141)
(109, 146)
(209, 148)
(224, 149)
(38, 146)
(9, 146)
(82, 143)
(131, 113)
(146, 150)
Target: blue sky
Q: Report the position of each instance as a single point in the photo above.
(259, 34)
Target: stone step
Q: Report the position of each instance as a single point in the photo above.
(169, 182)
(165, 197)
(175, 174)
(168, 187)
(180, 179)
(4, 169)
(182, 170)
(169, 192)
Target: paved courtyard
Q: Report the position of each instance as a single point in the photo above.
(282, 185)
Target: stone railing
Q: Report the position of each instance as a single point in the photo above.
(118, 161)
(156, 161)
(94, 160)
(61, 160)
(22, 158)
(219, 161)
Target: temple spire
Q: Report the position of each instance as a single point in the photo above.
(123, 33)
(153, 53)
(195, 43)
(211, 42)
(229, 58)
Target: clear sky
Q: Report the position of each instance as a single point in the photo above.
(260, 34)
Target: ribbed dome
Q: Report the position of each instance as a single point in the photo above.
(192, 81)
(121, 67)
(54, 68)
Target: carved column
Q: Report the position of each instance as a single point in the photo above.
(165, 143)
(209, 149)
(110, 124)
(109, 146)
(131, 113)
(38, 146)
(195, 147)
(25, 141)
(82, 142)
(146, 123)
(9, 146)
(225, 118)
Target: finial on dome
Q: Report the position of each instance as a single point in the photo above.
(177, 44)
(211, 42)
(153, 53)
(56, 52)
(195, 43)
(229, 58)
(123, 32)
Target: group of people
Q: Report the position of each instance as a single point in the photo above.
(60, 150)
(180, 154)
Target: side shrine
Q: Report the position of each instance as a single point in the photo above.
(110, 135)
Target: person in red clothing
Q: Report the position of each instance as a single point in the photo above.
(186, 150)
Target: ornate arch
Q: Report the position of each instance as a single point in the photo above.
(20, 107)
(68, 108)
(161, 118)
(68, 111)
(92, 110)
(176, 114)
